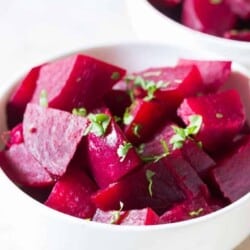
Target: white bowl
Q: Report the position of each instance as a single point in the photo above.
(26, 224)
(151, 24)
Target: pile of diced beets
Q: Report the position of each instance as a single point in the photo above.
(225, 18)
(158, 146)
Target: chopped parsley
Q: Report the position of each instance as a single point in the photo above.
(123, 149)
(116, 214)
(216, 1)
(127, 117)
(79, 112)
(181, 134)
(137, 129)
(219, 115)
(196, 213)
(98, 124)
(149, 176)
(43, 100)
(115, 76)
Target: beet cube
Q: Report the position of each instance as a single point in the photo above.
(136, 192)
(200, 15)
(240, 7)
(142, 119)
(107, 160)
(214, 73)
(15, 136)
(187, 210)
(21, 96)
(223, 116)
(141, 217)
(71, 195)
(76, 81)
(23, 169)
(52, 136)
(232, 174)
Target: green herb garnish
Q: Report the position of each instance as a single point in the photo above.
(115, 76)
(79, 112)
(98, 124)
(216, 1)
(196, 213)
(123, 149)
(136, 130)
(43, 100)
(116, 214)
(127, 117)
(149, 176)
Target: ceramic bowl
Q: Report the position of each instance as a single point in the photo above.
(25, 224)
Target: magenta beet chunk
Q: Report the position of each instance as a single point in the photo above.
(240, 35)
(213, 73)
(201, 162)
(189, 209)
(52, 136)
(76, 81)
(109, 217)
(134, 191)
(141, 217)
(23, 169)
(21, 96)
(223, 116)
(240, 7)
(232, 174)
(142, 119)
(185, 176)
(106, 165)
(15, 136)
(71, 195)
(203, 16)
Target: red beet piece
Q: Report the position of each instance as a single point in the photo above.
(23, 169)
(232, 174)
(142, 119)
(177, 83)
(201, 162)
(21, 96)
(189, 209)
(203, 16)
(240, 7)
(240, 35)
(52, 136)
(186, 177)
(109, 217)
(71, 195)
(223, 116)
(134, 190)
(15, 136)
(76, 81)
(141, 217)
(213, 73)
(106, 162)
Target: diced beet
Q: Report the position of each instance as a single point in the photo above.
(187, 210)
(52, 136)
(203, 16)
(143, 118)
(15, 136)
(106, 165)
(185, 176)
(240, 7)
(117, 101)
(71, 195)
(21, 96)
(214, 73)
(232, 174)
(240, 35)
(23, 169)
(141, 217)
(201, 162)
(109, 217)
(76, 81)
(134, 191)
(223, 116)
(40, 194)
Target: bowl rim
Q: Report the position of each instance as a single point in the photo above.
(198, 34)
(4, 93)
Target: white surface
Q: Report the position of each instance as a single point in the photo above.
(32, 30)
(27, 225)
